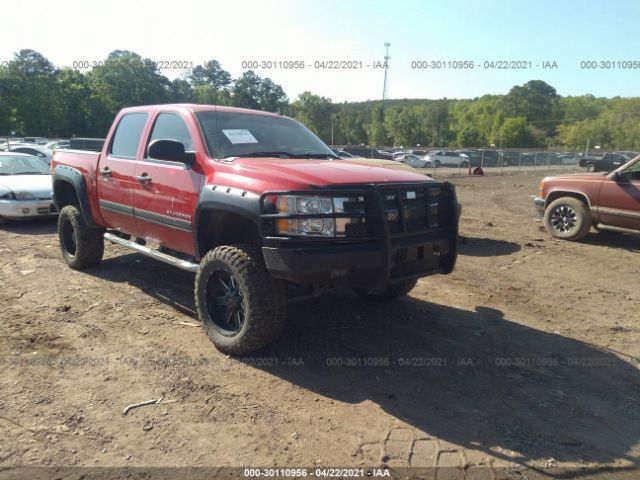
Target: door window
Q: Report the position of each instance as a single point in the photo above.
(127, 137)
(169, 126)
(632, 172)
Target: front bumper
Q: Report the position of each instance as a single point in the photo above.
(361, 266)
(17, 209)
(539, 204)
(403, 241)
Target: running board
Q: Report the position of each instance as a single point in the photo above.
(163, 257)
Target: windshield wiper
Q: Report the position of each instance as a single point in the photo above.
(317, 155)
(263, 154)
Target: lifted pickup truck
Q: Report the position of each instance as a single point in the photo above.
(257, 206)
(571, 204)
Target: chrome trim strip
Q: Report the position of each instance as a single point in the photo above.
(147, 216)
(621, 213)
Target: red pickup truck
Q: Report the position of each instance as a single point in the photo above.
(257, 206)
(571, 204)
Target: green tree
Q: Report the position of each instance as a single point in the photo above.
(210, 73)
(271, 97)
(315, 112)
(515, 132)
(30, 85)
(537, 101)
(74, 113)
(246, 90)
(127, 79)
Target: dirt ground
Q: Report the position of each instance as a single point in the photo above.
(524, 360)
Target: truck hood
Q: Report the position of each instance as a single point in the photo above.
(327, 172)
(38, 185)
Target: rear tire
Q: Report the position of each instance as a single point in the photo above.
(567, 218)
(391, 293)
(242, 308)
(82, 247)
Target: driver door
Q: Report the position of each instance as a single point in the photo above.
(619, 200)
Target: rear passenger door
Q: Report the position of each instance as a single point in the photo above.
(166, 193)
(116, 171)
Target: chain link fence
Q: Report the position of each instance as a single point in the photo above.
(464, 161)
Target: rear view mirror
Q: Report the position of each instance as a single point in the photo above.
(169, 150)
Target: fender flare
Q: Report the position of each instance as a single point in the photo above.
(73, 176)
(226, 199)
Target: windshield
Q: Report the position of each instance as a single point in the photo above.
(22, 165)
(231, 134)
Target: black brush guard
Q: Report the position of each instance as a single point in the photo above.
(409, 230)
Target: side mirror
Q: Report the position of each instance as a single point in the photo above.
(169, 150)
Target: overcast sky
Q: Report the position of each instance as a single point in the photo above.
(566, 32)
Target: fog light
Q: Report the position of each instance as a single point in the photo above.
(25, 211)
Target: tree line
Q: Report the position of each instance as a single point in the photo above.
(37, 98)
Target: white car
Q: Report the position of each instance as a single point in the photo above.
(43, 153)
(57, 144)
(25, 187)
(414, 161)
(448, 158)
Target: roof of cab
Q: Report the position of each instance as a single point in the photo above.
(199, 108)
(15, 154)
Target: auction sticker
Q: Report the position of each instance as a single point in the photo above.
(239, 135)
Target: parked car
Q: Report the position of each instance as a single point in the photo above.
(414, 161)
(535, 158)
(628, 153)
(57, 144)
(25, 187)
(566, 158)
(342, 153)
(253, 203)
(43, 153)
(90, 144)
(376, 162)
(447, 158)
(571, 204)
(606, 163)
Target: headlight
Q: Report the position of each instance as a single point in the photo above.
(7, 195)
(321, 205)
(25, 196)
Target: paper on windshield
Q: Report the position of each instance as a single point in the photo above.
(239, 135)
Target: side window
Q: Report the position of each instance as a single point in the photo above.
(632, 172)
(127, 137)
(170, 126)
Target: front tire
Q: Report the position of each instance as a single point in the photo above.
(391, 293)
(591, 167)
(567, 218)
(82, 247)
(242, 308)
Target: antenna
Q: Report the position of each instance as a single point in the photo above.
(386, 67)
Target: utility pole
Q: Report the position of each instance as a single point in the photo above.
(386, 67)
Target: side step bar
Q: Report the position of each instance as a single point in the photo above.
(163, 257)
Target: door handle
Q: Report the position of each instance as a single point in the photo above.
(106, 172)
(144, 178)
